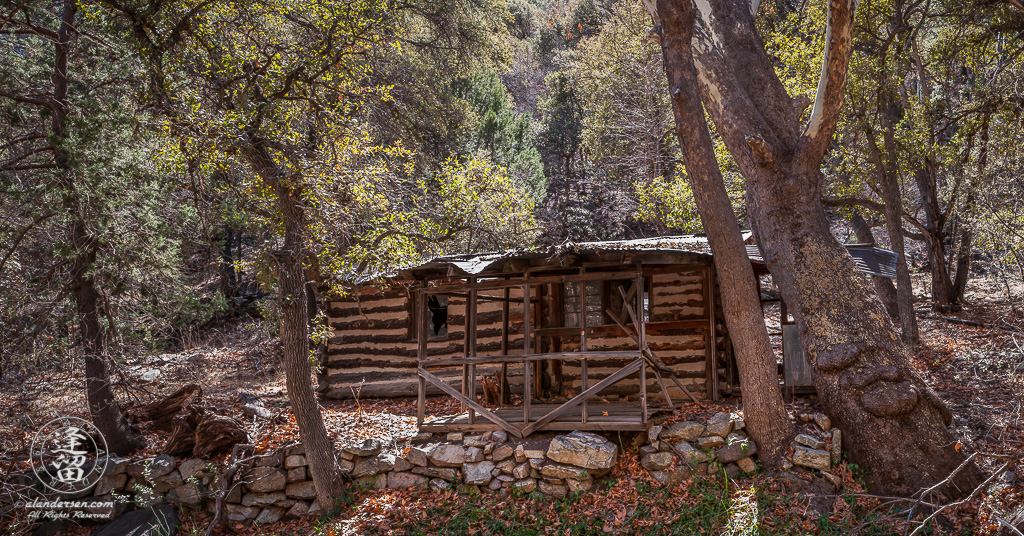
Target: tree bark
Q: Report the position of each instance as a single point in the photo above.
(883, 285)
(291, 284)
(895, 424)
(764, 412)
(935, 236)
(106, 415)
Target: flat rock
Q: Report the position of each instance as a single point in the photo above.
(438, 484)
(691, 454)
(499, 436)
(710, 442)
(270, 514)
(417, 456)
(444, 473)
(447, 455)
(747, 465)
(405, 480)
(837, 445)
(152, 467)
(554, 470)
(579, 485)
(823, 422)
(365, 448)
(736, 450)
(809, 441)
(301, 490)
(379, 481)
(583, 449)
(525, 485)
(474, 454)
(297, 510)
(240, 514)
(682, 431)
(297, 460)
(555, 490)
(502, 452)
(157, 521)
(115, 465)
(189, 493)
(262, 499)
(190, 468)
(721, 423)
(108, 483)
(658, 461)
(653, 433)
(266, 479)
(477, 473)
(297, 474)
(371, 466)
(454, 436)
(812, 458)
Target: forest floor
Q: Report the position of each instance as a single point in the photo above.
(977, 368)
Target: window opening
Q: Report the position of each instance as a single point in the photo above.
(437, 306)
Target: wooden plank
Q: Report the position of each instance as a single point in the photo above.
(504, 347)
(496, 359)
(526, 352)
(421, 334)
(500, 284)
(709, 300)
(641, 344)
(618, 375)
(471, 346)
(583, 340)
(484, 412)
(659, 364)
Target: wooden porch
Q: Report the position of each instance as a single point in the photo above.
(584, 411)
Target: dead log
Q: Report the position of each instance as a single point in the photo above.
(183, 431)
(159, 414)
(216, 434)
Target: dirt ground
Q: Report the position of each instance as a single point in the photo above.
(978, 369)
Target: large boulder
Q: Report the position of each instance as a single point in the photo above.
(583, 449)
(447, 455)
(157, 521)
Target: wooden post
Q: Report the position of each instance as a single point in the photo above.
(421, 340)
(526, 350)
(504, 347)
(471, 337)
(641, 328)
(712, 345)
(583, 340)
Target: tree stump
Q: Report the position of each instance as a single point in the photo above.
(183, 432)
(159, 414)
(216, 434)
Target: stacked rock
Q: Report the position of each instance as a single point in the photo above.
(683, 449)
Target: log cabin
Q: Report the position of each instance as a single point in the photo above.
(592, 336)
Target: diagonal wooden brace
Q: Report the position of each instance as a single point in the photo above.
(484, 412)
(576, 400)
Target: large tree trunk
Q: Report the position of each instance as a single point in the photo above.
(935, 236)
(883, 285)
(291, 284)
(894, 423)
(764, 412)
(106, 415)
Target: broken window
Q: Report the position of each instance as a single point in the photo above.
(437, 322)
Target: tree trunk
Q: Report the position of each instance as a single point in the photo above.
(764, 411)
(935, 236)
(883, 285)
(291, 285)
(106, 415)
(895, 424)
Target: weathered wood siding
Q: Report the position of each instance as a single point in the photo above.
(373, 351)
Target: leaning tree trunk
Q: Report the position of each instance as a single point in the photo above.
(103, 407)
(896, 425)
(935, 238)
(764, 412)
(291, 284)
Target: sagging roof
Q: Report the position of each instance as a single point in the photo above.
(869, 259)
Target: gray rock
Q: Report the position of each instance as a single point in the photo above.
(402, 464)
(649, 449)
(190, 468)
(502, 452)
(372, 482)
(710, 442)
(507, 466)
(474, 454)
(405, 480)
(534, 454)
(157, 467)
(272, 459)
(439, 484)
(446, 455)
(365, 448)
(691, 454)
(735, 436)
(445, 473)
(579, 485)
(521, 471)
(812, 458)
(158, 521)
(295, 450)
(653, 433)
(733, 471)
(473, 441)
(297, 510)
(270, 514)
(297, 460)
(166, 483)
(297, 474)
(505, 478)
(108, 483)
(454, 436)
(682, 431)
(555, 490)
(837, 445)
(262, 499)
(189, 493)
(823, 422)
(371, 466)
(736, 450)
(115, 465)
(499, 436)
(417, 456)
(658, 461)
(301, 490)
(241, 514)
(266, 479)
(738, 424)
(488, 449)
(525, 485)
(495, 485)
(809, 441)
(554, 470)
(832, 479)
(584, 449)
(747, 465)
(477, 473)
(346, 466)
(315, 509)
(520, 454)
(721, 424)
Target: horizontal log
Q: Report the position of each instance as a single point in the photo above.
(531, 357)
